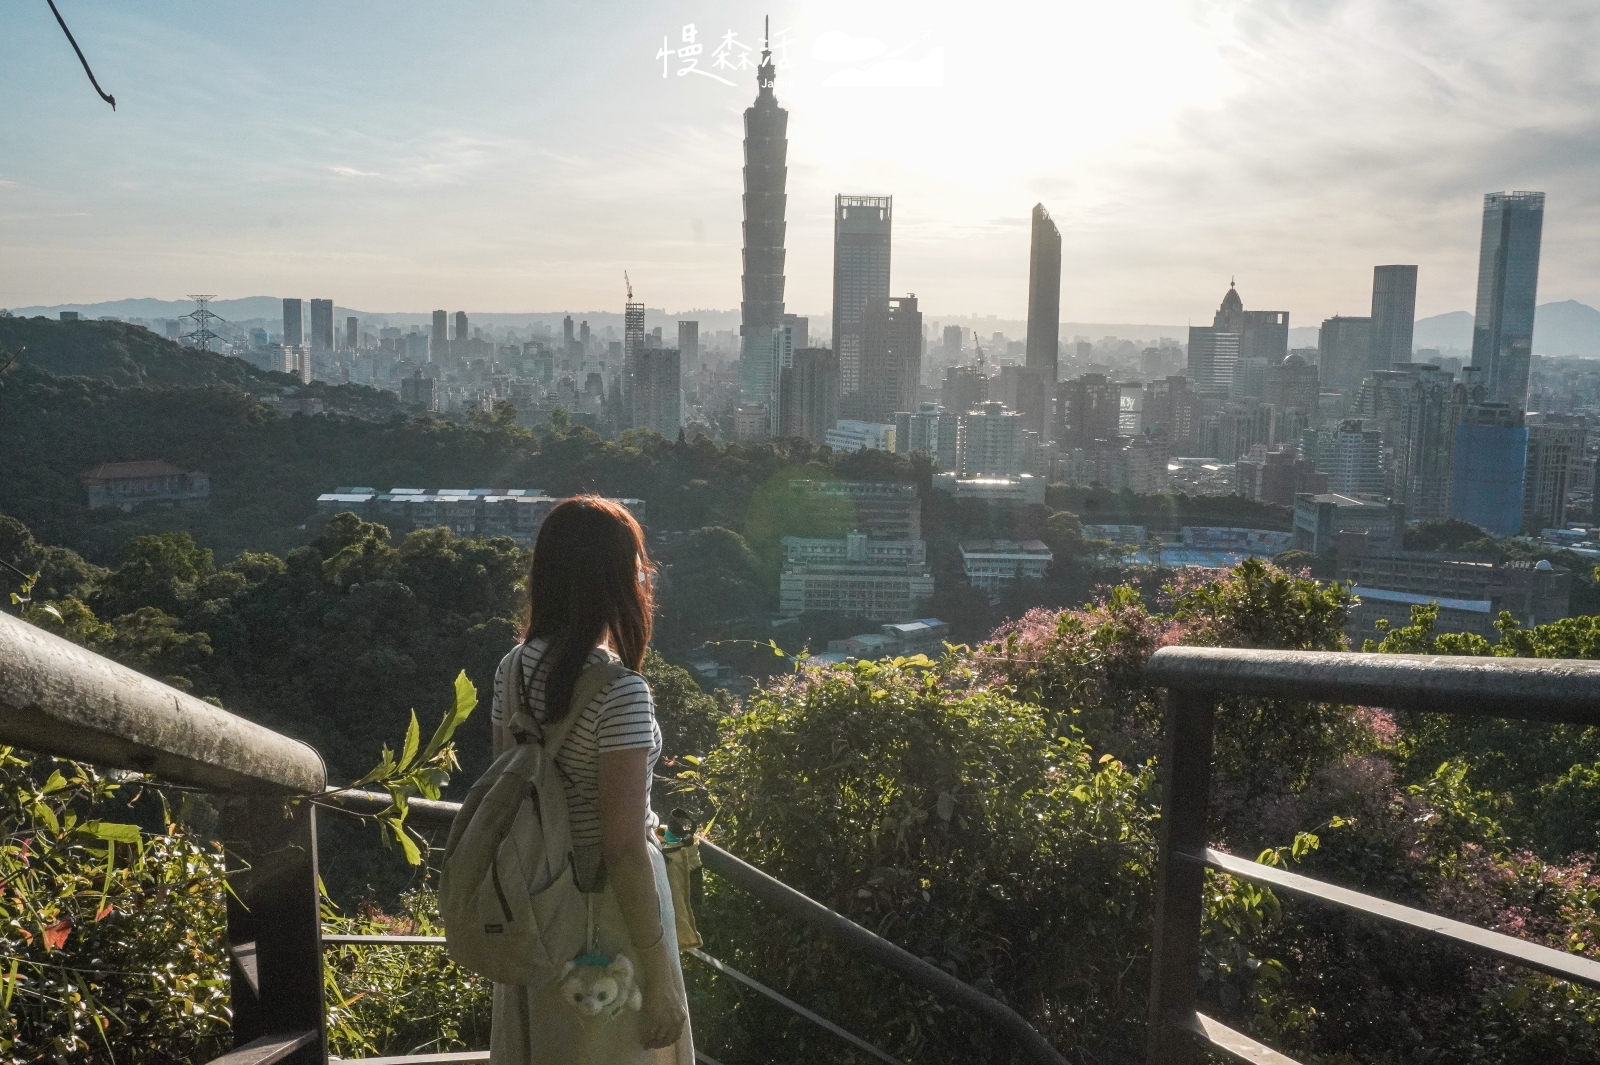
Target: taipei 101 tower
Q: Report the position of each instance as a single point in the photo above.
(766, 147)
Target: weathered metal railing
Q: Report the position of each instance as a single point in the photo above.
(1195, 679)
(57, 698)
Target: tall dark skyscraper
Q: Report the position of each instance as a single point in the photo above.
(461, 332)
(293, 323)
(1044, 295)
(689, 344)
(439, 340)
(891, 359)
(861, 230)
(322, 326)
(351, 334)
(1394, 314)
(1508, 282)
(766, 150)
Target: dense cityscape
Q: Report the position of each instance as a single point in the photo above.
(1360, 434)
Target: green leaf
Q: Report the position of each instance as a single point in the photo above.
(55, 783)
(466, 702)
(407, 844)
(413, 738)
(108, 830)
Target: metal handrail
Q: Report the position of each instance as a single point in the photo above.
(787, 900)
(1555, 690)
(59, 698)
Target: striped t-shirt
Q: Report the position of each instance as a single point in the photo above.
(622, 717)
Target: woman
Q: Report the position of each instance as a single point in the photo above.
(589, 593)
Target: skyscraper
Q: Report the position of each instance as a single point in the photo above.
(689, 344)
(322, 326)
(766, 149)
(964, 388)
(861, 241)
(1394, 314)
(439, 342)
(1090, 406)
(1344, 352)
(351, 334)
(1508, 282)
(1357, 461)
(809, 394)
(891, 359)
(461, 335)
(952, 342)
(293, 323)
(1044, 295)
(1212, 355)
(1491, 455)
(632, 347)
(1553, 451)
(658, 392)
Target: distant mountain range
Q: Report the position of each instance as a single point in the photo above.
(1559, 330)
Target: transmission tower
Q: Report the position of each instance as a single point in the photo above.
(202, 335)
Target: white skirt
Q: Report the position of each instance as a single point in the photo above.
(536, 1026)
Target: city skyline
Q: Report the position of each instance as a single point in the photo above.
(453, 195)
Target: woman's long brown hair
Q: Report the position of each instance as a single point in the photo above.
(589, 579)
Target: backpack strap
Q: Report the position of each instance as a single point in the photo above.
(591, 682)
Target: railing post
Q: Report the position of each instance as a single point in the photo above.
(274, 923)
(1180, 885)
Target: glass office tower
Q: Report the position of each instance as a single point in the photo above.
(861, 233)
(1508, 281)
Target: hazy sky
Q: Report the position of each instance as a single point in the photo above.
(517, 156)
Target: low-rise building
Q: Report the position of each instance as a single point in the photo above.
(850, 435)
(470, 513)
(1019, 490)
(1277, 476)
(1128, 535)
(1455, 615)
(887, 580)
(1536, 593)
(1218, 547)
(1322, 520)
(125, 485)
(992, 564)
(925, 636)
(882, 511)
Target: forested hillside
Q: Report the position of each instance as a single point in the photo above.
(130, 356)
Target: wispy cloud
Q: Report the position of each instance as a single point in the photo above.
(350, 171)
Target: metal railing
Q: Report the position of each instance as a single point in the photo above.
(59, 699)
(1196, 678)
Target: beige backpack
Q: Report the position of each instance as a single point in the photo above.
(509, 898)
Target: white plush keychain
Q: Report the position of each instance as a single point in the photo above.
(599, 986)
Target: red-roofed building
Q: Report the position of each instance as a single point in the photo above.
(126, 485)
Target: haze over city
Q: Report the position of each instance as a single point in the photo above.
(505, 158)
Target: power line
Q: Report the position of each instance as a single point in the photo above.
(107, 97)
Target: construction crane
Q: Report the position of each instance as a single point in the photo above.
(629, 284)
